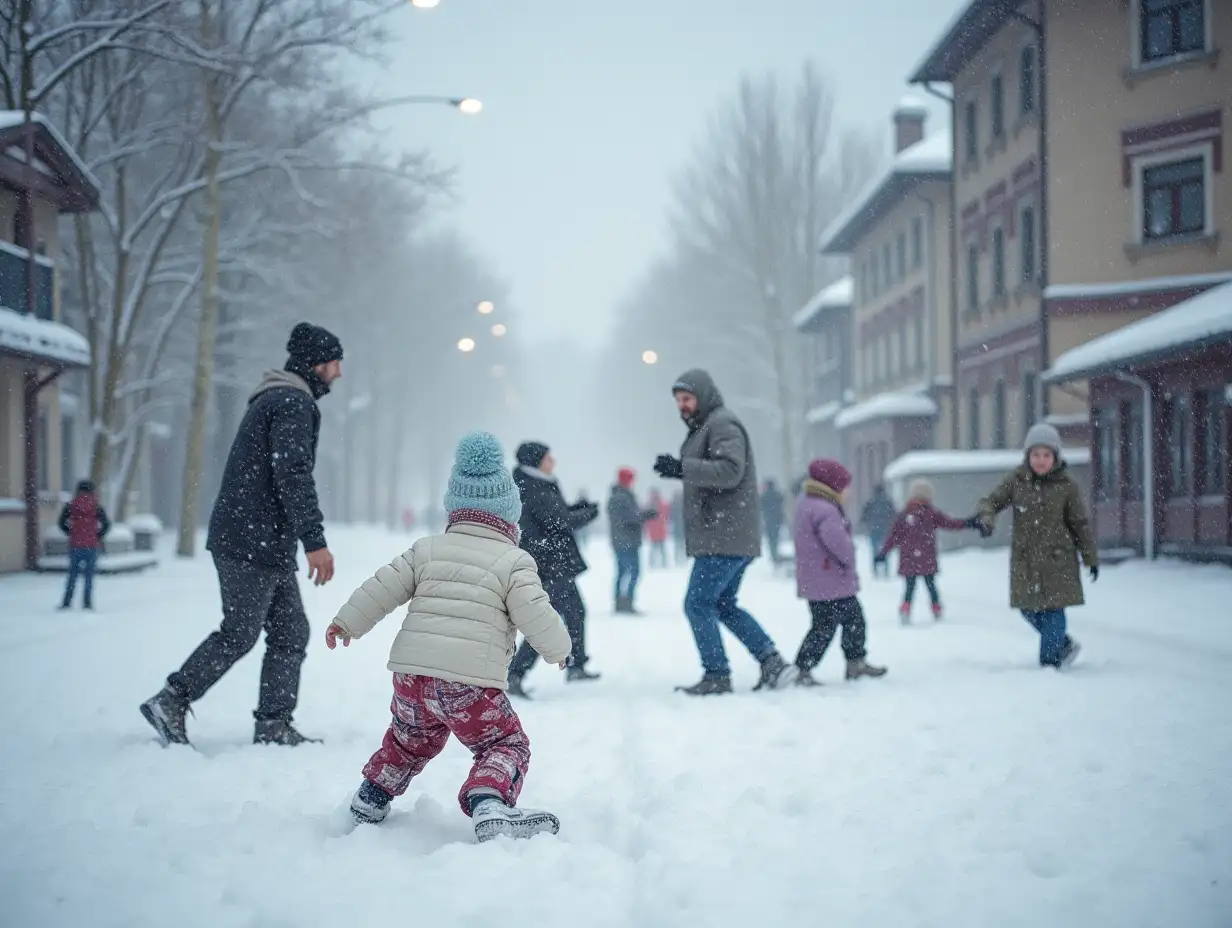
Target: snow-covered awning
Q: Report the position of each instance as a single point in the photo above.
(40, 340)
(886, 406)
(932, 463)
(1132, 288)
(823, 413)
(68, 181)
(838, 295)
(931, 158)
(1200, 321)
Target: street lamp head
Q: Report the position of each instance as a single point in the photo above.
(425, 4)
(486, 308)
(650, 357)
(469, 106)
(499, 329)
(466, 345)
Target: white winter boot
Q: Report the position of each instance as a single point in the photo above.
(493, 818)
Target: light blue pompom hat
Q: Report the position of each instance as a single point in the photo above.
(480, 480)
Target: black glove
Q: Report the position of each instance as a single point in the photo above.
(668, 467)
(984, 530)
(1094, 573)
(975, 522)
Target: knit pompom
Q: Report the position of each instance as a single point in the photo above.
(479, 454)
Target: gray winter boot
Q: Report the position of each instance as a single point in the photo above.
(165, 712)
(276, 731)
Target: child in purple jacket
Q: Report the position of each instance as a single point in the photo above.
(826, 573)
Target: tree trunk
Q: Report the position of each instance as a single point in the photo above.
(208, 328)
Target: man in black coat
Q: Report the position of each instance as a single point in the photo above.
(547, 526)
(267, 504)
(877, 517)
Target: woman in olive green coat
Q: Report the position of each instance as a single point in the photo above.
(1050, 531)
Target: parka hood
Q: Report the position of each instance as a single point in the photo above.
(275, 379)
(700, 384)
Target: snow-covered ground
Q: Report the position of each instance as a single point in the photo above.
(967, 788)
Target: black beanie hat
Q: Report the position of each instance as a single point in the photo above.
(532, 453)
(312, 345)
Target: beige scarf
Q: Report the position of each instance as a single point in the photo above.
(816, 488)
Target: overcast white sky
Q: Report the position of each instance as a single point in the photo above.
(591, 105)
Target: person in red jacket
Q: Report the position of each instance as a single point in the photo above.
(85, 523)
(914, 533)
(656, 529)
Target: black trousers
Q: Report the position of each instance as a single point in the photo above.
(566, 599)
(827, 617)
(253, 598)
(930, 581)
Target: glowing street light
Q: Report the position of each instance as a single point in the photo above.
(499, 329)
(466, 345)
(469, 106)
(425, 4)
(650, 357)
(486, 308)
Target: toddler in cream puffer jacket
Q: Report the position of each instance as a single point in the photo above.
(471, 590)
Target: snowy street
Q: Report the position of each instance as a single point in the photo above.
(967, 788)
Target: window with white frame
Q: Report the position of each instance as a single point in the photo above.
(1026, 80)
(971, 131)
(1170, 28)
(919, 341)
(887, 268)
(999, 416)
(1173, 196)
(973, 280)
(1026, 243)
(973, 419)
(917, 241)
(996, 105)
(900, 255)
(998, 262)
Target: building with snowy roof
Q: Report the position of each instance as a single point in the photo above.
(1089, 187)
(1161, 391)
(896, 234)
(35, 346)
(826, 321)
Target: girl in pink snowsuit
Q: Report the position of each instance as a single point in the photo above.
(470, 590)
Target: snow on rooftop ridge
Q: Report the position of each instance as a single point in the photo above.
(886, 406)
(910, 104)
(1127, 287)
(837, 295)
(934, 154)
(41, 338)
(10, 118)
(932, 463)
(1207, 315)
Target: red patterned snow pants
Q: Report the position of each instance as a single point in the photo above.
(425, 711)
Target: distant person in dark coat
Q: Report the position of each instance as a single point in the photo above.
(267, 504)
(547, 529)
(626, 523)
(876, 518)
(85, 523)
(772, 517)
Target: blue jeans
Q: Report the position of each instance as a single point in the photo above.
(711, 599)
(1050, 623)
(628, 570)
(81, 563)
(879, 566)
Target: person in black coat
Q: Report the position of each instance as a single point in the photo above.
(772, 516)
(547, 531)
(876, 518)
(626, 522)
(266, 506)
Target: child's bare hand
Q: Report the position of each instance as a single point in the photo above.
(563, 664)
(334, 634)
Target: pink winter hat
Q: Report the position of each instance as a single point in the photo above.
(831, 473)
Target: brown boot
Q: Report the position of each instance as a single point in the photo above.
(862, 668)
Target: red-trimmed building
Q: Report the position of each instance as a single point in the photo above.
(1161, 392)
(1089, 182)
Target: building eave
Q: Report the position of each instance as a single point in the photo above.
(893, 190)
(969, 32)
(72, 188)
(1172, 354)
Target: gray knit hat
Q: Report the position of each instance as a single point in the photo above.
(479, 479)
(1043, 435)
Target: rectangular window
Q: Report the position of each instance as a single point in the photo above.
(917, 241)
(1108, 442)
(1134, 472)
(973, 419)
(997, 105)
(900, 255)
(1180, 444)
(895, 352)
(873, 275)
(999, 437)
(971, 132)
(44, 459)
(973, 280)
(1168, 28)
(998, 262)
(68, 460)
(1026, 241)
(887, 268)
(1026, 80)
(1030, 386)
(1174, 199)
(919, 341)
(1214, 443)
(884, 344)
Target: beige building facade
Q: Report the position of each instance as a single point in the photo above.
(34, 347)
(897, 236)
(1089, 186)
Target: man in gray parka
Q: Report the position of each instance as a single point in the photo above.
(722, 525)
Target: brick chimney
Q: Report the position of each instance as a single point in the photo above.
(909, 118)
